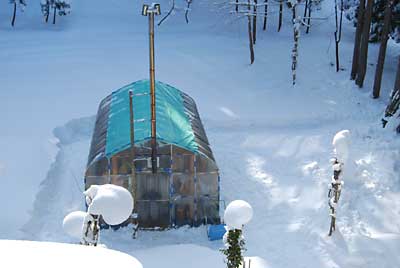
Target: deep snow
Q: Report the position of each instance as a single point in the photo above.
(272, 141)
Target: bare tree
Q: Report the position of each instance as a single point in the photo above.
(188, 3)
(21, 4)
(357, 41)
(254, 21)
(250, 33)
(265, 15)
(309, 8)
(382, 49)
(296, 34)
(280, 14)
(338, 31)
(362, 61)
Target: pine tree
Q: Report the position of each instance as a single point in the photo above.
(234, 248)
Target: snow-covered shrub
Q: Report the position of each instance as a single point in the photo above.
(237, 214)
(73, 223)
(234, 247)
(114, 203)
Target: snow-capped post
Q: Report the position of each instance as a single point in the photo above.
(21, 4)
(237, 214)
(341, 151)
(150, 11)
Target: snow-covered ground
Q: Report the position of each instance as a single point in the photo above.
(47, 255)
(272, 141)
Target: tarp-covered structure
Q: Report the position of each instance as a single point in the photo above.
(185, 189)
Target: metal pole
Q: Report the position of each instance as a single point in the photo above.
(150, 11)
(133, 169)
(153, 95)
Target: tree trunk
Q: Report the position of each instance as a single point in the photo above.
(250, 35)
(382, 49)
(47, 16)
(305, 8)
(237, 6)
(295, 46)
(280, 15)
(14, 14)
(255, 22)
(394, 103)
(356, 51)
(363, 57)
(265, 14)
(309, 18)
(54, 15)
(397, 81)
(338, 32)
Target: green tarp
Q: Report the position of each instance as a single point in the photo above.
(173, 124)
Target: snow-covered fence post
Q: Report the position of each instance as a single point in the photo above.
(341, 150)
(237, 214)
(21, 4)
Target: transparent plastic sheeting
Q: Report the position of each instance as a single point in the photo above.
(172, 123)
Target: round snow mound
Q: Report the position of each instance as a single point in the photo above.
(73, 223)
(238, 213)
(113, 202)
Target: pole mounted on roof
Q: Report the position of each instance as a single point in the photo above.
(150, 11)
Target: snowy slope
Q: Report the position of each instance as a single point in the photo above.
(272, 141)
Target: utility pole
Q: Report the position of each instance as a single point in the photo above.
(150, 11)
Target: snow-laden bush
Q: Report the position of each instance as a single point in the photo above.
(237, 214)
(73, 223)
(114, 203)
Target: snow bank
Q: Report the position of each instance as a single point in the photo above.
(49, 255)
(341, 145)
(238, 213)
(73, 223)
(113, 202)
